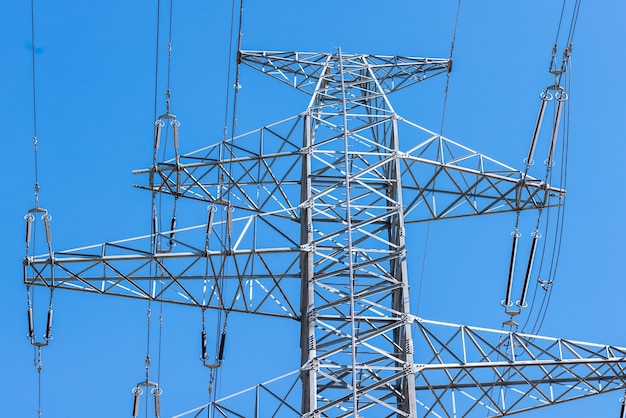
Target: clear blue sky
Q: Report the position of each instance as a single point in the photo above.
(95, 75)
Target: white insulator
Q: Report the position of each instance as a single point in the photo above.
(533, 143)
(555, 134)
(29, 218)
(509, 285)
(136, 393)
(529, 269)
(172, 228)
(31, 326)
(229, 220)
(175, 124)
(46, 222)
(157, 404)
(48, 334)
(209, 227)
(157, 134)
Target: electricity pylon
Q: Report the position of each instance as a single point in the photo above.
(307, 220)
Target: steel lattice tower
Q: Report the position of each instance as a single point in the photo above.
(307, 220)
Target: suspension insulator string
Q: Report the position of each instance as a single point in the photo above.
(545, 97)
(172, 228)
(220, 344)
(137, 392)
(529, 267)
(31, 322)
(30, 219)
(203, 355)
(509, 286)
(561, 97)
(31, 325)
(172, 242)
(209, 227)
(156, 392)
(229, 225)
(48, 335)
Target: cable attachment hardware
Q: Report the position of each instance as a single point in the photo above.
(561, 95)
(545, 284)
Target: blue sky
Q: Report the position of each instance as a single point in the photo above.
(95, 89)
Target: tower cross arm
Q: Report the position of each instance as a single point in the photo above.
(302, 70)
(187, 266)
(475, 371)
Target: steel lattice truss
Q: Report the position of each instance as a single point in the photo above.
(307, 219)
(469, 371)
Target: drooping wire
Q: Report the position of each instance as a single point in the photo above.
(558, 29)
(174, 124)
(452, 44)
(31, 244)
(156, 62)
(228, 71)
(34, 84)
(226, 227)
(235, 96)
(154, 219)
(574, 21)
(443, 116)
(169, 59)
(155, 241)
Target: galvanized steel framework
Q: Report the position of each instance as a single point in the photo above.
(313, 225)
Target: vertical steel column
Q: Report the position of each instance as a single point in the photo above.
(402, 336)
(307, 330)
